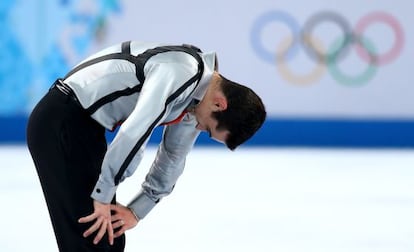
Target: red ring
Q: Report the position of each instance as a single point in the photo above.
(398, 33)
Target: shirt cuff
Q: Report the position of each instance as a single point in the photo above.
(141, 205)
(103, 192)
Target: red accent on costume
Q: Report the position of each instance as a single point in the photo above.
(176, 120)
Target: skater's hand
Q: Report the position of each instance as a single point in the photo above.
(122, 218)
(102, 218)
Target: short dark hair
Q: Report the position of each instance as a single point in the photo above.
(244, 115)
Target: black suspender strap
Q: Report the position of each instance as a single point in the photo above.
(145, 56)
(142, 58)
(126, 47)
(139, 61)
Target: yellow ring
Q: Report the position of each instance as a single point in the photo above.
(284, 70)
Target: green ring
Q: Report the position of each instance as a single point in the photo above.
(359, 79)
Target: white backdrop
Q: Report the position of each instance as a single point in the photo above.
(237, 29)
(44, 39)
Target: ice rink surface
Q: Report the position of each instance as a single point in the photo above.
(255, 199)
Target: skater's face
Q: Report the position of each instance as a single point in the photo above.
(206, 122)
(213, 101)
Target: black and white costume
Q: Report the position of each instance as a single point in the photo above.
(136, 85)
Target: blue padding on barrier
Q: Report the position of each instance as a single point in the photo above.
(13, 129)
(278, 132)
(336, 133)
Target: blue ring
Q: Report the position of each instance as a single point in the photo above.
(265, 19)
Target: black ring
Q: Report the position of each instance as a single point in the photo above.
(310, 25)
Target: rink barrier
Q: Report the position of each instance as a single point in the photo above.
(282, 133)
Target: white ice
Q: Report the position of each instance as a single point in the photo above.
(253, 199)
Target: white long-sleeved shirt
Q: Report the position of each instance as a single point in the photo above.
(121, 85)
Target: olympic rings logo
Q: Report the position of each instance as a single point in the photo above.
(326, 57)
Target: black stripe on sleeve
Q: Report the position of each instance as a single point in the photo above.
(112, 97)
(120, 56)
(125, 54)
(147, 133)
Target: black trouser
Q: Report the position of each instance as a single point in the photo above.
(67, 147)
